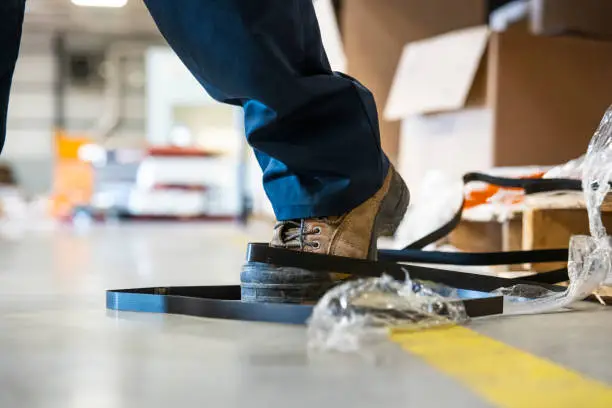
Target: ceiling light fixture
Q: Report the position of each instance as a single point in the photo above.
(100, 3)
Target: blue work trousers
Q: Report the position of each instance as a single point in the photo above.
(314, 132)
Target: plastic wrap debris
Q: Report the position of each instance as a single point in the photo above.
(597, 175)
(571, 170)
(501, 203)
(588, 266)
(439, 196)
(360, 312)
(519, 293)
(432, 205)
(590, 257)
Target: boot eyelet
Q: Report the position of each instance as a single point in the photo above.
(317, 230)
(316, 244)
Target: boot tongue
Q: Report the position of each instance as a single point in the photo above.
(291, 232)
(288, 234)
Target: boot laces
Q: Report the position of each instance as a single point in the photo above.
(293, 234)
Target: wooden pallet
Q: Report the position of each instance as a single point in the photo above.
(545, 221)
(550, 221)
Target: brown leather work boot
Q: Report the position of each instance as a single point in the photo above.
(354, 234)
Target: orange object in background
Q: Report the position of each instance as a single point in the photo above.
(73, 179)
(478, 197)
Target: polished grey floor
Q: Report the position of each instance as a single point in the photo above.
(59, 347)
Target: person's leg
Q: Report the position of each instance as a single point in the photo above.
(11, 19)
(315, 133)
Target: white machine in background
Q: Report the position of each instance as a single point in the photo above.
(199, 174)
(186, 185)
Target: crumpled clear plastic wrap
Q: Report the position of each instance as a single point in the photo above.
(590, 257)
(432, 205)
(522, 292)
(360, 312)
(357, 312)
(596, 185)
(588, 266)
(573, 169)
(597, 174)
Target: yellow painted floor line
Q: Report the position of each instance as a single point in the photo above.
(503, 375)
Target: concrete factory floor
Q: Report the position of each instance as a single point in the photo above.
(60, 348)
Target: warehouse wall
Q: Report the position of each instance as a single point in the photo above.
(32, 108)
(30, 116)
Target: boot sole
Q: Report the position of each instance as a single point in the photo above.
(262, 282)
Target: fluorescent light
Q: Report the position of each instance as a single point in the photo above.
(100, 3)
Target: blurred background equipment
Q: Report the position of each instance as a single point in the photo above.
(105, 117)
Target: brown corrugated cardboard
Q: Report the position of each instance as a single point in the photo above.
(549, 96)
(544, 98)
(437, 74)
(591, 18)
(375, 32)
(434, 83)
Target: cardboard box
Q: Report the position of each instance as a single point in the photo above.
(375, 32)
(590, 18)
(474, 99)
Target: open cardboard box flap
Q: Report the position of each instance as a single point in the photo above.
(439, 74)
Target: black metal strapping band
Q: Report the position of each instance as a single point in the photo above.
(224, 301)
